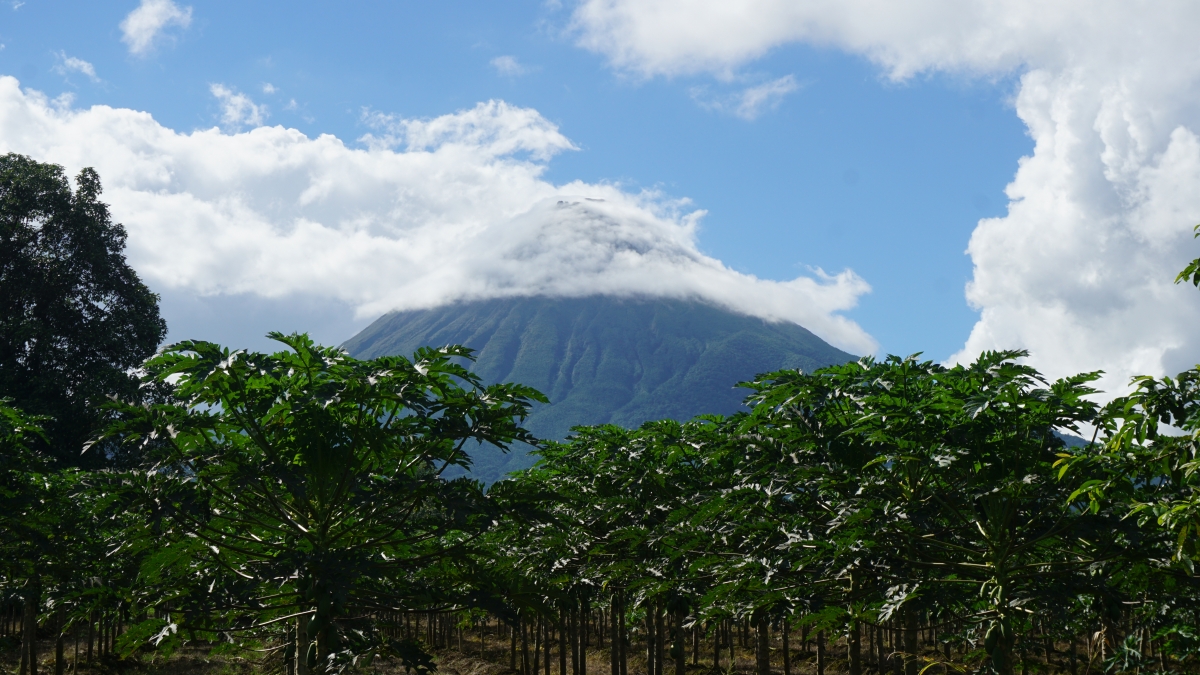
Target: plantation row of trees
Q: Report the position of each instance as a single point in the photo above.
(295, 505)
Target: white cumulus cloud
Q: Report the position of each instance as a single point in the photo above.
(71, 64)
(237, 109)
(145, 25)
(1099, 221)
(428, 212)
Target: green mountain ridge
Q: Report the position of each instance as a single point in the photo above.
(601, 359)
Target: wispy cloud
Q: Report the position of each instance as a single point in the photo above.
(237, 109)
(749, 103)
(144, 25)
(268, 88)
(70, 64)
(753, 101)
(508, 65)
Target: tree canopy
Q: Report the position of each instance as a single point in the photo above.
(75, 318)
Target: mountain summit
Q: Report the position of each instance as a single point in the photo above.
(601, 359)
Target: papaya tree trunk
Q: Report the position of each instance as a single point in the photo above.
(679, 652)
(650, 641)
(573, 637)
(911, 651)
(660, 635)
(732, 644)
(60, 661)
(302, 644)
(787, 649)
(821, 652)
(881, 649)
(855, 648)
(716, 629)
(523, 626)
(562, 641)
(512, 647)
(623, 631)
(614, 638)
(33, 601)
(762, 634)
(583, 635)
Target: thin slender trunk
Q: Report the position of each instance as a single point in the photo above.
(24, 667)
(821, 653)
(881, 648)
(787, 650)
(660, 638)
(716, 646)
(573, 637)
(762, 652)
(33, 601)
(679, 655)
(537, 646)
(911, 651)
(650, 641)
(302, 644)
(897, 650)
(512, 648)
(562, 641)
(524, 627)
(855, 648)
(623, 631)
(583, 635)
(696, 643)
(60, 660)
(732, 644)
(614, 639)
(548, 626)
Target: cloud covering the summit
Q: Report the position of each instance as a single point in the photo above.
(1100, 216)
(418, 214)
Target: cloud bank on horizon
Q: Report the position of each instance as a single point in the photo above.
(426, 212)
(1080, 270)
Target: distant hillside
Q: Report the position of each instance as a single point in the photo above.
(601, 359)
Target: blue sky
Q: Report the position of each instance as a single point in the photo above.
(858, 164)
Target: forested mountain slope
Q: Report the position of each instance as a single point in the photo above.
(602, 359)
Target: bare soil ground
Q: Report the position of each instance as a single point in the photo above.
(494, 660)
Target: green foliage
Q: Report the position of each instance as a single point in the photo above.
(1192, 271)
(74, 317)
(1151, 458)
(308, 482)
(864, 492)
(261, 496)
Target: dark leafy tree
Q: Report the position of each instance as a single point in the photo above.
(74, 317)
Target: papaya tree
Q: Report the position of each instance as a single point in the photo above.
(940, 485)
(308, 485)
